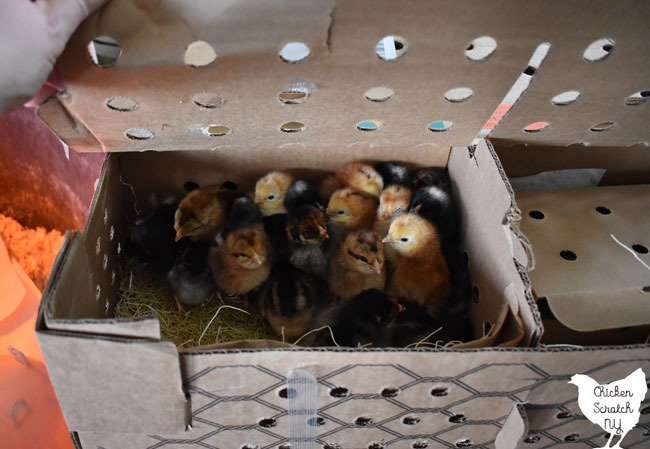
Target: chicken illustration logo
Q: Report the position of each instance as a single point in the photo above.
(615, 406)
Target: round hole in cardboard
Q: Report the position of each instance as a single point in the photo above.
(481, 48)
(464, 442)
(572, 437)
(293, 127)
(122, 104)
(458, 418)
(106, 216)
(532, 439)
(476, 294)
(208, 100)
(606, 435)
(410, 420)
(440, 126)
(641, 249)
(537, 127)
(565, 415)
(603, 210)
(316, 421)
(568, 255)
(530, 70)
(268, 422)
(645, 411)
(566, 98)
(598, 49)
(602, 126)
(390, 48)
(284, 446)
(119, 248)
(111, 233)
(390, 392)
(112, 277)
(369, 125)
(440, 391)
(98, 245)
(637, 98)
(199, 54)
(105, 261)
(420, 444)
(139, 134)
(104, 51)
(363, 421)
(536, 214)
(379, 94)
(376, 445)
(250, 446)
(287, 393)
(294, 52)
(339, 392)
(98, 292)
(331, 446)
(292, 97)
(459, 94)
(218, 130)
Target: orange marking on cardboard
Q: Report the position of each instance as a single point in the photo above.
(497, 115)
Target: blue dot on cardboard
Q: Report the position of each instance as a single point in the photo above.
(369, 125)
(440, 126)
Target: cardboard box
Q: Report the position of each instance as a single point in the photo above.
(121, 386)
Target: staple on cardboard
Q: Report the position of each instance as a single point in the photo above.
(566, 98)
(598, 49)
(104, 51)
(294, 52)
(481, 48)
(199, 54)
(459, 94)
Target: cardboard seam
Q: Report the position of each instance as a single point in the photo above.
(53, 280)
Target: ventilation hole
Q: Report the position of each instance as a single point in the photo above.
(441, 126)
(122, 104)
(199, 54)
(292, 127)
(607, 435)
(111, 233)
(107, 306)
(536, 214)
(411, 420)
(637, 98)
(598, 50)
(98, 292)
(106, 216)
(250, 446)
(564, 415)
(376, 445)
(440, 391)
(112, 277)
(487, 327)
(459, 94)
(139, 134)
(457, 419)
(476, 295)
(646, 289)
(646, 433)
(568, 255)
(390, 392)
(481, 48)
(537, 127)
(294, 52)
(189, 186)
(640, 248)
(218, 130)
(104, 51)
(464, 442)
(379, 94)
(208, 100)
(369, 125)
(572, 437)
(645, 411)
(391, 48)
(339, 392)
(331, 446)
(287, 393)
(105, 261)
(420, 444)
(315, 422)
(566, 98)
(363, 421)
(532, 439)
(207, 130)
(603, 210)
(284, 446)
(98, 246)
(530, 70)
(293, 97)
(268, 422)
(119, 248)
(602, 126)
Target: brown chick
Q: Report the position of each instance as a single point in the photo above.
(359, 176)
(202, 213)
(357, 265)
(421, 274)
(349, 209)
(393, 201)
(242, 262)
(270, 191)
(308, 240)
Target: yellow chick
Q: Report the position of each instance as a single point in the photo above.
(242, 262)
(393, 201)
(270, 191)
(359, 176)
(202, 213)
(357, 265)
(421, 273)
(350, 209)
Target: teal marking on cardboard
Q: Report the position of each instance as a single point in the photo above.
(369, 125)
(440, 126)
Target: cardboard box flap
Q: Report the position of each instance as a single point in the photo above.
(593, 86)
(591, 247)
(449, 74)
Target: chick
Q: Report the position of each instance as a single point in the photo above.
(288, 300)
(421, 273)
(357, 265)
(361, 320)
(201, 214)
(394, 174)
(242, 261)
(270, 191)
(151, 239)
(301, 193)
(349, 209)
(357, 175)
(190, 279)
(243, 213)
(394, 200)
(432, 176)
(436, 205)
(308, 240)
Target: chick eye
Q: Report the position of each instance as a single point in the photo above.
(242, 255)
(340, 212)
(398, 209)
(362, 259)
(404, 239)
(270, 197)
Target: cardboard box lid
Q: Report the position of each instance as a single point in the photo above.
(243, 82)
(591, 251)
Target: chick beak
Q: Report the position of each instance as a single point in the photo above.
(376, 267)
(256, 259)
(323, 232)
(400, 308)
(179, 235)
(388, 239)
(385, 215)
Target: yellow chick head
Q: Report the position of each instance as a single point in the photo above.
(270, 191)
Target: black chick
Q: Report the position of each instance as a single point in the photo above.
(243, 213)
(394, 174)
(190, 278)
(151, 239)
(301, 193)
(436, 205)
(432, 176)
(361, 320)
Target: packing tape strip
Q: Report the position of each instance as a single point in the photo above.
(390, 52)
(303, 408)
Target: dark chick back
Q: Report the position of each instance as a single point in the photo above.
(394, 174)
(190, 279)
(151, 239)
(243, 213)
(275, 227)
(302, 193)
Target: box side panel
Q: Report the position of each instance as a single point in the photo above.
(115, 385)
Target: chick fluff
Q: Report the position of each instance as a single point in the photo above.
(393, 200)
(421, 273)
(357, 175)
(270, 191)
(308, 240)
(357, 265)
(350, 209)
